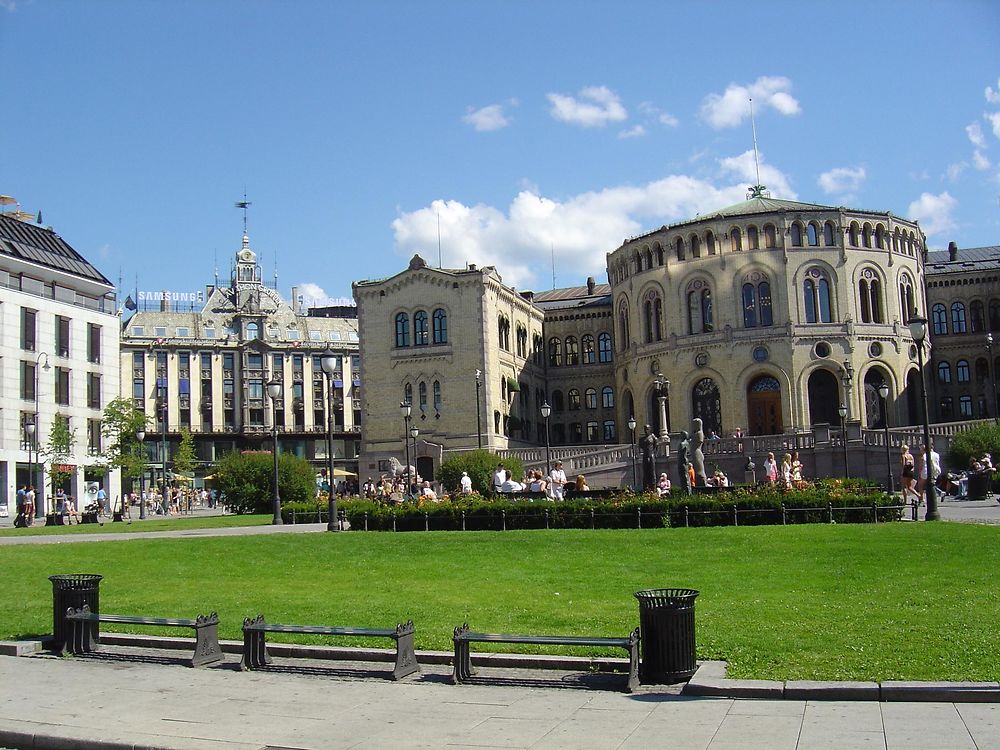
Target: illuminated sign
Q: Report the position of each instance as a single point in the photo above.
(171, 296)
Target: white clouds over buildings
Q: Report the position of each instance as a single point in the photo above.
(843, 182)
(636, 131)
(934, 212)
(596, 106)
(485, 119)
(993, 96)
(729, 109)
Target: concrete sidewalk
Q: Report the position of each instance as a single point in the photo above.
(144, 699)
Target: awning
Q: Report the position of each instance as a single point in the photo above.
(513, 385)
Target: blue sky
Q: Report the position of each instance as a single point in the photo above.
(526, 131)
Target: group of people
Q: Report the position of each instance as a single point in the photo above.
(913, 472)
(389, 489)
(555, 485)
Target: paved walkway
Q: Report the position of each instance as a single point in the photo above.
(153, 702)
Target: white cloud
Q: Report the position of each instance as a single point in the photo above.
(844, 182)
(669, 120)
(774, 180)
(993, 97)
(8, 5)
(994, 120)
(655, 113)
(980, 160)
(636, 131)
(484, 119)
(934, 213)
(975, 133)
(954, 171)
(313, 295)
(596, 107)
(729, 109)
(578, 229)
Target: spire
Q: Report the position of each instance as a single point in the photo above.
(758, 190)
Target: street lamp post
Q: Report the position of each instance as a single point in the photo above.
(918, 330)
(843, 435)
(39, 490)
(991, 370)
(413, 434)
(328, 361)
(635, 475)
(140, 435)
(405, 408)
(273, 391)
(546, 413)
(479, 415)
(29, 430)
(663, 399)
(165, 496)
(883, 392)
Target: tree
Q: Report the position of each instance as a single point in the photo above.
(58, 450)
(245, 480)
(119, 424)
(184, 458)
(974, 443)
(480, 465)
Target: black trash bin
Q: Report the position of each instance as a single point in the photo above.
(666, 624)
(73, 591)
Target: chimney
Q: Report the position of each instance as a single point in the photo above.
(295, 296)
(590, 284)
(952, 251)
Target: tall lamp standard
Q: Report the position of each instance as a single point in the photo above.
(29, 432)
(328, 361)
(663, 399)
(546, 413)
(883, 392)
(479, 415)
(991, 370)
(39, 490)
(413, 434)
(635, 475)
(165, 497)
(843, 436)
(140, 435)
(918, 330)
(404, 407)
(273, 391)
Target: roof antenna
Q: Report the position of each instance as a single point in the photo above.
(244, 204)
(758, 190)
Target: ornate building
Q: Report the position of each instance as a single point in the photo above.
(200, 363)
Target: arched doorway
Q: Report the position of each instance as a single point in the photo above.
(875, 414)
(914, 412)
(705, 403)
(824, 398)
(764, 406)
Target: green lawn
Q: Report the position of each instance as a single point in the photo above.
(153, 523)
(860, 602)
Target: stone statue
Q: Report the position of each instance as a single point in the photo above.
(683, 456)
(648, 445)
(697, 457)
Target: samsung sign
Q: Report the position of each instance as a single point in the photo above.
(171, 296)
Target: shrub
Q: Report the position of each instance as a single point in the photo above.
(245, 480)
(973, 443)
(480, 465)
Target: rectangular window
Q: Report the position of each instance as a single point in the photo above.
(291, 334)
(94, 437)
(183, 333)
(62, 386)
(277, 366)
(315, 335)
(160, 331)
(93, 390)
(138, 331)
(28, 381)
(209, 332)
(93, 343)
(29, 324)
(138, 389)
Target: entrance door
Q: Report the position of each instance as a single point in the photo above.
(764, 407)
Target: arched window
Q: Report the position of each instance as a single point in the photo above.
(757, 304)
(770, 237)
(852, 234)
(796, 235)
(503, 333)
(652, 309)
(982, 370)
(420, 328)
(555, 352)
(699, 304)
(521, 336)
(647, 310)
(764, 299)
(607, 397)
(749, 306)
(828, 234)
(866, 235)
(695, 246)
(944, 372)
(957, 317)
(710, 242)
(408, 394)
(440, 321)
(753, 240)
(735, 240)
(879, 237)
(947, 409)
(706, 404)
(649, 259)
(573, 397)
(590, 398)
(572, 351)
(812, 234)
(977, 319)
(816, 297)
(962, 374)
(623, 325)
(587, 346)
(679, 248)
(995, 314)
(604, 352)
(609, 431)
(422, 392)
(870, 297)
(402, 330)
(659, 255)
(253, 331)
(906, 307)
(557, 401)
(437, 396)
(939, 320)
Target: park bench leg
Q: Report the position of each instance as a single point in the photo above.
(463, 660)
(406, 657)
(254, 645)
(206, 648)
(633, 661)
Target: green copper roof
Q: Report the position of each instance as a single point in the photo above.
(766, 205)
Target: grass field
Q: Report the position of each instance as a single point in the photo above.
(859, 602)
(153, 523)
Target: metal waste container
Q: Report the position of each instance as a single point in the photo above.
(666, 624)
(73, 591)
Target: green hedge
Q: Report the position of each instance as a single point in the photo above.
(847, 501)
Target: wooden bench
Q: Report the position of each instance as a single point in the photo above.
(206, 627)
(463, 659)
(255, 653)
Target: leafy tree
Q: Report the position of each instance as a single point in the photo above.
(973, 443)
(184, 458)
(119, 424)
(245, 480)
(480, 465)
(58, 450)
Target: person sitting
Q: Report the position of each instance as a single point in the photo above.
(537, 482)
(987, 462)
(581, 484)
(427, 492)
(69, 508)
(511, 485)
(663, 486)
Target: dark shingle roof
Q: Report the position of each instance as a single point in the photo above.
(967, 259)
(42, 246)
